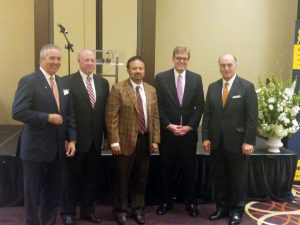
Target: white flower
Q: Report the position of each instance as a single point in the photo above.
(271, 107)
(271, 100)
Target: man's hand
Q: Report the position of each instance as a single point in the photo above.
(70, 149)
(116, 150)
(55, 119)
(179, 130)
(247, 149)
(154, 148)
(206, 145)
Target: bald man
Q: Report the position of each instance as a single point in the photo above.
(229, 133)
(89, 93)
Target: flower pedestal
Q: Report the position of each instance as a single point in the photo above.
(274, 144)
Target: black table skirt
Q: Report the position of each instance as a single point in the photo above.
(270, 178)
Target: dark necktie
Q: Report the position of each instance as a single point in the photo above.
(55, 92)
(225, 93)
(90, 91)
(141, 124)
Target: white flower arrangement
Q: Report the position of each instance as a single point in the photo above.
(278, 106)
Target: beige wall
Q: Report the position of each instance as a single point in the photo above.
(81, 25)
(119, 31)
(17, 50)
(259, 33)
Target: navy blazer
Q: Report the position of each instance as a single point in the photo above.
(236, 123)
(90, 123)
(40, 140)
(170, 110)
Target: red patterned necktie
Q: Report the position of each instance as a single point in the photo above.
(141, 124)
(55, 92)
(90, 91)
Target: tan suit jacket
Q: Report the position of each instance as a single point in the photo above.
(122, 116)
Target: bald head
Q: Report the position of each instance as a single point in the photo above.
(228, 66)
(87, 61)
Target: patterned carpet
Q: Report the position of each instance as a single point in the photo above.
(260, 213)
(271, 213)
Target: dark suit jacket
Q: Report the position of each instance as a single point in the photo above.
(41, 141)
(170, 110)
(237, 121)
(90, 123)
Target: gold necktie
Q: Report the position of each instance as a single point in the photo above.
(55, 92)
(225, 93)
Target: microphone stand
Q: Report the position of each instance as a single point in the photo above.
(68, 46)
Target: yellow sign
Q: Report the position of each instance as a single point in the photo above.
(297, 175)
(296, 60)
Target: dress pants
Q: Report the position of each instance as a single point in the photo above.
(130, 177)
(42, 191)
(179, 151)
(80, 178)
(230, 179)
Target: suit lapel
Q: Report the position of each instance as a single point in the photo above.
(131, 93)
(81, 87)
(172, 85)
(219, 93)
(232, 91)
(46, 87)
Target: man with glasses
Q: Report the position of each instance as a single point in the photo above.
(181, 103)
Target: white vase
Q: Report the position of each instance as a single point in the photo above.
(274, 143)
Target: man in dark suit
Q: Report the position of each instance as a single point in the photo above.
(181, 103)
(89, 93)
(228, 133)
(132, 122)
(48, 135)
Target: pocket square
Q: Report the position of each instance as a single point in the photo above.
(66, 91)
(236, 96)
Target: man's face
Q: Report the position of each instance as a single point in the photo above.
(136, 71)
(227, 66)
(87, 62)
(52, 61)
(180, 61)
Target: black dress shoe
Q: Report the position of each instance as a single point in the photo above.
(68, 220)
(218, 214)
(192, 210)
(122, 220)
(139, 217)
(163, 208)
(92, 217)
(235, 219)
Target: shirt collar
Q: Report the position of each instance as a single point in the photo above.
(177, 74)
(230, 82)
(47, 75)
(84, 76)
(134, 85)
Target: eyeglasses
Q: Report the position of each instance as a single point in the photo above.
(181, 59)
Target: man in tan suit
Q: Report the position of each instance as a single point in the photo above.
(132, 122)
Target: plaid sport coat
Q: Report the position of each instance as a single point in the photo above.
(122, 116)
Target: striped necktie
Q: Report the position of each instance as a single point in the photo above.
(90, 91)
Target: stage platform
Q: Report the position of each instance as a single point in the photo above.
(270, 175)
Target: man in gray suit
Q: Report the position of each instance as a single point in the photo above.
(228, 133)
